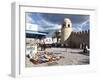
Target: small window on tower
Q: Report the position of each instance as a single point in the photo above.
(68, 25)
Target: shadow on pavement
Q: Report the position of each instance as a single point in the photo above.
(87, 53)
(85, 61)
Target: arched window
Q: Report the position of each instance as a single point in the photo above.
(68, 25)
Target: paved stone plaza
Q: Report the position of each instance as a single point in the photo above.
(71, 57)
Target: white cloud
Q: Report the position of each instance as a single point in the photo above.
(80, 27)
(40, 24)
(84, 24)
(55, 27)
(76, 29)
(29, 18)
(47, 22)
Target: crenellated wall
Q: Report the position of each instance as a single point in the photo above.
(76, 39)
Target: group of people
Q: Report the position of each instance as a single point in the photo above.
(84, 47)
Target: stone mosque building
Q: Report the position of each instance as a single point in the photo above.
(66, 37)
(73, 39)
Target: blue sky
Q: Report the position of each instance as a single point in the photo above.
(51, 21)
